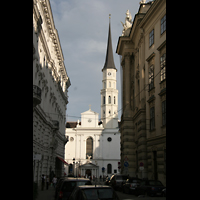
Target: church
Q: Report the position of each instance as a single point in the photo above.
(94, 146)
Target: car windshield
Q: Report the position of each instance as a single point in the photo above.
(121, 177)
(68, 186)
(98, 193)
(134, 181)
(155, 183)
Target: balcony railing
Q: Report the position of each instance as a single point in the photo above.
(36, 95)
(55, 124)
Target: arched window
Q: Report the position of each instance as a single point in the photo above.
(114, 100)
(104, 100)
(109, 99)
(109, 169)
(89, 148)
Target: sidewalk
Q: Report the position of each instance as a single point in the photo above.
(46, 194)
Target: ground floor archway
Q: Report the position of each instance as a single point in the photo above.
(88, 173)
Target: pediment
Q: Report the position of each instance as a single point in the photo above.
(89, 165)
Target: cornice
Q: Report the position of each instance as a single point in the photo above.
(53, 33)
(152, 11)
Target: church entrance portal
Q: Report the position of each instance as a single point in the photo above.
(88, 173)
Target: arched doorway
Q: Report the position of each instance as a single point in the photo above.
(88, 173)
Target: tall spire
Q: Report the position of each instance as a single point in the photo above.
(109, 62)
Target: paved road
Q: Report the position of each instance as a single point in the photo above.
(46, 194)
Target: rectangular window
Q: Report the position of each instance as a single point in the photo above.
(163, 24)
(152, 118)
(163, 67)
(104, 99)
(164, 113)
(151, 77)
(151, 38)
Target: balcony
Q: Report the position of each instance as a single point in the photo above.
(36, 95)
(55, 125)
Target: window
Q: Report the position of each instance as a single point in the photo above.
(109, 99)
(89, 148)
(104, 84)
(151, 38)
(164, 113)
(104, 99)
(163, 24)
(114, 100)
(163, 67)
(109, 139)
(151, 77)
(152, 118)
(109, 84)
(109, 169)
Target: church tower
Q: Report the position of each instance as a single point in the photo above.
(109, 93)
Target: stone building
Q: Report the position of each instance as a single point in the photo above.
(50, 95)
(142, 50)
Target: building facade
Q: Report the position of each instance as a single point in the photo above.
(50, 95)
(91, 147)
(142, 49)
(94, 145)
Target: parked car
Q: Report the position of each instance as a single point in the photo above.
(92, 192)
(150, 188)
(67, 186)
(116, 181)
(130, 185)
(58, 186)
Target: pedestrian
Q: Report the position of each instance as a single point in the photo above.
(47, 182)
(42, 181)
(54, 181)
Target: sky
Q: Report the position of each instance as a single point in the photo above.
(83, 32)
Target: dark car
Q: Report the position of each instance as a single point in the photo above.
(117, 180)
(130, 185)
(150, 188)
(58, 186)
(68, 185)
(92, 192)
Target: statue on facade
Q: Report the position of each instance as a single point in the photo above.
(142, 1)
(128, 23)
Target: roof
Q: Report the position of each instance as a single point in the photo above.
(93, 186)
(109, 62)
(72, 124)
(75, 179)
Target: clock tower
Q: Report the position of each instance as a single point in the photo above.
(109, 93)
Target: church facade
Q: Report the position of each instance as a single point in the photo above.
(94, 147)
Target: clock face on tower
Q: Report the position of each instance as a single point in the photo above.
(109, 73)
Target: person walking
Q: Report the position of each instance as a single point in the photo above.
(42, 181)
(54, 181)
(47, 182)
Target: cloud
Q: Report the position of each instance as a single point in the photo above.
(83, 31)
